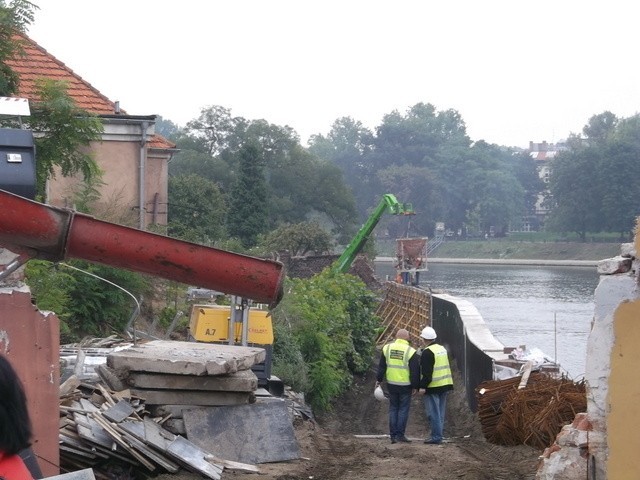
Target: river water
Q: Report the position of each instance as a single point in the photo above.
(544, 307)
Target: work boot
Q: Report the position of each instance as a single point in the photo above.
(393, 440)
(403, 439)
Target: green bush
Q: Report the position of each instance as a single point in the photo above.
(328, 323)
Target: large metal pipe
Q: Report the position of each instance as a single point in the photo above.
(53, 234)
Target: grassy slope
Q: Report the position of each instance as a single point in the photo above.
(516, 250)
(528, 250)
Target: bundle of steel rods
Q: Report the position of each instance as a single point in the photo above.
(533, 415)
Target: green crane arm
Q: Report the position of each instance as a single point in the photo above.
(388, 202)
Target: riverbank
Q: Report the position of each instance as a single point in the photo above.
(502, 251)
(504, 261)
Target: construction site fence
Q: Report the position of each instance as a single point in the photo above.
(414, 308)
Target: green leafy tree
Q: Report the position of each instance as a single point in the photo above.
(15, 16)
(575, 204)
(50, 290)
(196, 209)
(345, 146)
(589, 186)
(248, 207)
(62, 129)
(298, 185)
(298, 239)
(619, 163)
(98, 308)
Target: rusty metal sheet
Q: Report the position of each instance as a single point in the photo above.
(31, 341)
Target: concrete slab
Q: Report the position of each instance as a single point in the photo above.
(242, 381)
(186, 358)
(192, 397)
(257, 433)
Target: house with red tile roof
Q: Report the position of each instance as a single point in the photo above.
(133, 158)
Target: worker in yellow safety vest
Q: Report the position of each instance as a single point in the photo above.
(400, 367)
(437, 382)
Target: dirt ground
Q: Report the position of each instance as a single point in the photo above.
(331, 450)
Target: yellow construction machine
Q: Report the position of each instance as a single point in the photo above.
(250, 326)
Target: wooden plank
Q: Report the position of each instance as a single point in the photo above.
(69, 385)
(120, 441)
(119, 411)
(161, 460)
(192, 397)
(231, 465)
(186, 358)
(242, 381)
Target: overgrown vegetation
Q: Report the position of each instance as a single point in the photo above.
(325, 332)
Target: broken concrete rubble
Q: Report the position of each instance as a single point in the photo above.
(139, 420)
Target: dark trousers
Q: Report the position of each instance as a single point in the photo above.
(399, 403)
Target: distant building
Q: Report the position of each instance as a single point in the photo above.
(542, 153)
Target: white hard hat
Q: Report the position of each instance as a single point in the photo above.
(428, 333)
(379, 393)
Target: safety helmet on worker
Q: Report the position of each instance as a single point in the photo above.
(379, 393)
(428, 333)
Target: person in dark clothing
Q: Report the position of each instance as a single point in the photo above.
(400, 367)
(15, 425)
(436, 380)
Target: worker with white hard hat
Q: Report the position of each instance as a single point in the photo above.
(400, 367)
(436, 380)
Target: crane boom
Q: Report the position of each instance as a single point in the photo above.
(388, 202)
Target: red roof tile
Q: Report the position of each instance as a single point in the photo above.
(36, 63)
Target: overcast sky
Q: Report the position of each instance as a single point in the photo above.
(515, 70)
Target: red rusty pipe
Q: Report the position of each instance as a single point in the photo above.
(55, 234)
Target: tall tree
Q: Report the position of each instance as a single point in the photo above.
(196, 209)
(15, 16)
(62, 129)
(248, 212)
(575, 204)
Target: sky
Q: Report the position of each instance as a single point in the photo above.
(516, 71)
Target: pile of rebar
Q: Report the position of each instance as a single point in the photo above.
(533, 415)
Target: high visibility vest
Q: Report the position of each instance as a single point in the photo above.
(441, 375)
(397, 355)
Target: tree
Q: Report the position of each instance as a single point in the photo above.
(345, 146)
(589, 184)
(62, 130)
(298, 239)
(15, 16)
(575, 203)
(196, 209)
(214, 126)
(248, 205)
(619, 163)
(61, 127)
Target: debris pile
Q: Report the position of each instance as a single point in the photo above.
(157, 398)
(514, 413)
